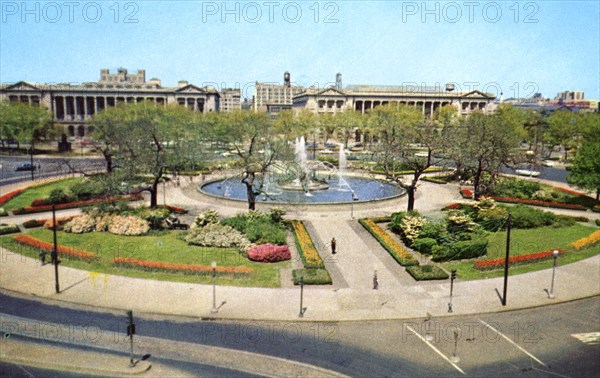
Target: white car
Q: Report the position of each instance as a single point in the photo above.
(548, 163)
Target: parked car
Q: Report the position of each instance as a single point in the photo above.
(25, 167)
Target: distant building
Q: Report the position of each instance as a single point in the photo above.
(568, 96)
(268, 95)
(363, 98)
(73, 105)
(231, 99)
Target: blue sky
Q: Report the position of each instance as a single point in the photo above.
(517, 47)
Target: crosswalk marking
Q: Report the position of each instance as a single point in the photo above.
(590, 338)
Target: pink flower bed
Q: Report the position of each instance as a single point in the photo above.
(498, 263)
(269, 253)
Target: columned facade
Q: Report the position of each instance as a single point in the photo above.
(73, 106)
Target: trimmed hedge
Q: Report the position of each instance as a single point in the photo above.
(466, 249)
(32, 223)
(426, 272)
(394, 248)
(313, 276)
(424, 245)
(9, 229)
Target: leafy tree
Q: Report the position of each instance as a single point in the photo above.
(486, 142)
(585, 170)
(400, 130)
(256, 143)
(563, 128)
(23, 122)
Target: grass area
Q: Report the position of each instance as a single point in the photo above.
(535, 240)
(164, 246)
(528, 241)
(24, 199)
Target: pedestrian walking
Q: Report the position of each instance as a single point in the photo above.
(333, 246)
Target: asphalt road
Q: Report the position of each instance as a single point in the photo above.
(534, 342)
(46, 167)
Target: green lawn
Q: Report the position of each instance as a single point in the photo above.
(24, 199)
(528, 241)
(535, 240)
(165, 246)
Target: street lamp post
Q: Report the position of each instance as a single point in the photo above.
(555, 256)
(452, 277)
(31, 160)
(54, 254)
(354, 198)
(214, 274)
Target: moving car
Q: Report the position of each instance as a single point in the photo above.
(25, 167)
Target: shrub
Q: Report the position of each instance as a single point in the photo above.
(33, 223)
(435, 231)
(3, 213)
(467, 249)
(510, 187)
(153, 216)
(57, 196)
(269, 253)
(87, 189)
(493, 218)
(259, 227)
(426, 272)
(597, 222)
(40, 202)
(424, 245)
(277, 214)
(527, 217)
(313, 276)
(459, 222)
(218, 235)
(80, 225)
(128, 225)
(207, 217)
(596, 209)
(411, 226)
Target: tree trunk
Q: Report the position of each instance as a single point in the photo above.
(108, 158)
(251, 196)
(154, 195)
(476, 181)
(598, 194)
(410, 192)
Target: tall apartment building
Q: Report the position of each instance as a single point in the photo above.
(231, 99)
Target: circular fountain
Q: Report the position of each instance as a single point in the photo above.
(308, 182)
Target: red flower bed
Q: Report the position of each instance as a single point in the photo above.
(540, 203)
(71, 205)
(269, 253)
(39, 202)
(71, 252)
(177, 210)
(453, 206)
(184, 268)
(8, 196)
(466, 193)
(498, 263)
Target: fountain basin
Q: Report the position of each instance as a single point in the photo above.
(350, 189)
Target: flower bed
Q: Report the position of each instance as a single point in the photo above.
(269, 253)
(8, 196)
(177, 210)
(60, 222)
(453, 206)
(308, 252)
(397, 250)
(32, 223)
(466, 193)
(48, 247)
(159, 266)
(71, 205)
(540, 203)
(589, 240)
(521, 259)
(569, 191)
(8, 229)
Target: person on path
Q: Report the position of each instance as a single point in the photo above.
(333, 246)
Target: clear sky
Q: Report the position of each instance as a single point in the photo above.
(515, 47)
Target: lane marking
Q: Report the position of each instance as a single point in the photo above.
(513, 343)
(436, 350)
(590, 338)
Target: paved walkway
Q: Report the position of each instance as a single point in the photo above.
(350, 298)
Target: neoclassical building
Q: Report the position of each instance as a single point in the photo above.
(73, 105)
(365, 97)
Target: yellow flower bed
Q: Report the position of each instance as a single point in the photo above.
(591, 239)
(391, 243)
(307, 247)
